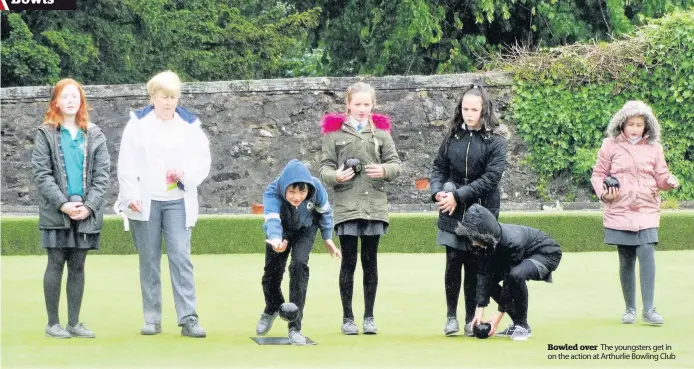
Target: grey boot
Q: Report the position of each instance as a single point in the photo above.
(451, 327)
(468, 330)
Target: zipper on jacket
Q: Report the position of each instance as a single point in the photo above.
(467, 152)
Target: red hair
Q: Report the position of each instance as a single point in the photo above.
(55, 117)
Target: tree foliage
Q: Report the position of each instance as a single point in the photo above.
(26, 62)
(126, 41)
(564, 98)
(446, 36)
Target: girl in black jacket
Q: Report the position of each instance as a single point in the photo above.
(466, 171)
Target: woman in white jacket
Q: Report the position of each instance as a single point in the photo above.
(164, 156)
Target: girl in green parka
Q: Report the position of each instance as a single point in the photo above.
(358, 158)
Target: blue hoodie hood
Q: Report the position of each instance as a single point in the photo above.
(281, 218)
(295, 172)
(184, 113)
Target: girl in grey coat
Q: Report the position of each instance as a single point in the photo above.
(70, 162)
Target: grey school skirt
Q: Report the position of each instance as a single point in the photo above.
(628, 238)
(452, 240)
(69, 238)
(362, 227)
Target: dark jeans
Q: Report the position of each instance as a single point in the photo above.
(513, 296)
(299, 246)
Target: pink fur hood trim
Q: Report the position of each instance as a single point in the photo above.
(332, 122)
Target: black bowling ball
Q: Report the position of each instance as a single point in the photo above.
(289, 311)
(482, 330)
(355, 164)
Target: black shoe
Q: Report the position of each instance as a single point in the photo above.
(508, 332)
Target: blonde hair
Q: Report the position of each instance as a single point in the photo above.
(167, 82)
(357, 88)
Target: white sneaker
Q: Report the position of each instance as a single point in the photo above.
(265, 323)
(520, 334)
(296, 338)
(652, 317)
(369, 326)
(349, 327)
(56, 331)
(508, 332)
(629, 317)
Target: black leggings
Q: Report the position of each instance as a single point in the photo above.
(369, 264)
(455, 260)
(75, 283)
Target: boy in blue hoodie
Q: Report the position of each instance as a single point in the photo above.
(296, 205)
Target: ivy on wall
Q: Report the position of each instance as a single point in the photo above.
(565, 97)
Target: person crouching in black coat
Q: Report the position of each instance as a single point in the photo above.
(513, 254)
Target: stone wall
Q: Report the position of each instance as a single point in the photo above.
(255, 127)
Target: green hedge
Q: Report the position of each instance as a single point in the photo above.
(564, 98)
(408, 233)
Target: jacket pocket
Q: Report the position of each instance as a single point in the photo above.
(648, 198)
(52, 219)
(379, 184)
(49, 216)
(344, 149)
(92, 224)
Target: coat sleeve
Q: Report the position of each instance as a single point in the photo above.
(128, 182)
(197, 166)
(272, 206)
(390, 159)
(661, 170)
(602, 167)
(328, 163)
(440, 171)
(44, 176)
(488, 181)
(323, 208)
(100, 178)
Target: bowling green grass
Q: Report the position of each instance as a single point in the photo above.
(583, 306)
